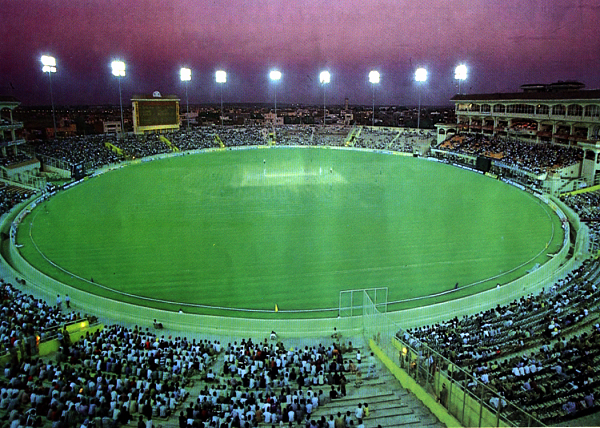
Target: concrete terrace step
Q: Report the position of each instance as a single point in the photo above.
(393, 421)
(383, 412)
(375, 401)
(387, 409)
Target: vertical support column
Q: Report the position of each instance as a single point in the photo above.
(13, 134)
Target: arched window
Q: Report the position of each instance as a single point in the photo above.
(499, 108)
(592, 111)
(558, 110)
(542, 109)
(574, 110)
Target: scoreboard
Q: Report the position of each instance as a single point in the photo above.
(155, 113)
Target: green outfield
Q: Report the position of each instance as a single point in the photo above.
(292, 227)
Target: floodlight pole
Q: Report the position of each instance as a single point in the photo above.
(187, 102)
(52, 103)
(323, 103)
(221, 90)
(373, 119)
(121, 105)
(275, 102)
(419, 112)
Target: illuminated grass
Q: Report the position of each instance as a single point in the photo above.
(253, 228)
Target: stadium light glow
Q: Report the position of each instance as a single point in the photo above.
(118, 70)
(49, 66)
(48, 63)
(185, 74)
(275, 76)
(374, 78)
(221, 77)
(460, 74)
(420, 77)
(324, 78)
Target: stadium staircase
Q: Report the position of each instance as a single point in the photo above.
(391, 143)
(390, 405)
(354, 134)
(15, 190)
(170, 145)
(219, 142)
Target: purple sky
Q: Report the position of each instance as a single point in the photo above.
(505, 43)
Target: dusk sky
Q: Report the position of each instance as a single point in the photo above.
(504, 43)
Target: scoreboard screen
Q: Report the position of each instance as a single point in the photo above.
(153, 113)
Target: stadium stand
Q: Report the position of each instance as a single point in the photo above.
(539, 352)
(536, 158)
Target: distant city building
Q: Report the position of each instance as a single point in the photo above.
(64, 129)
(271, 119)
(111, 127)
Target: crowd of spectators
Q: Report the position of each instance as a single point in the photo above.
(14, 158)
(116, 375)
(102, 380)
(89, 150)
(92, 151)
(23, 319)
(9, 198)
(587, 206)
(536, 158)
(534, 352)
(265, 382)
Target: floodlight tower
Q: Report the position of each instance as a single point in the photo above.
(275, 76)
(185, 74)
(374, 79)
(49, 66)
(460, 74)
(118, 70)
(324, 78)
(221, 78)
(420, 77)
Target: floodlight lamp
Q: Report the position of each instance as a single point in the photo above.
(48, 60)
(118, 68)
(49, 64)
(185, 74)
(421, 75)
(324, 77)
(221, 76)
(275, 75)
(374, 76)
(460, 72)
